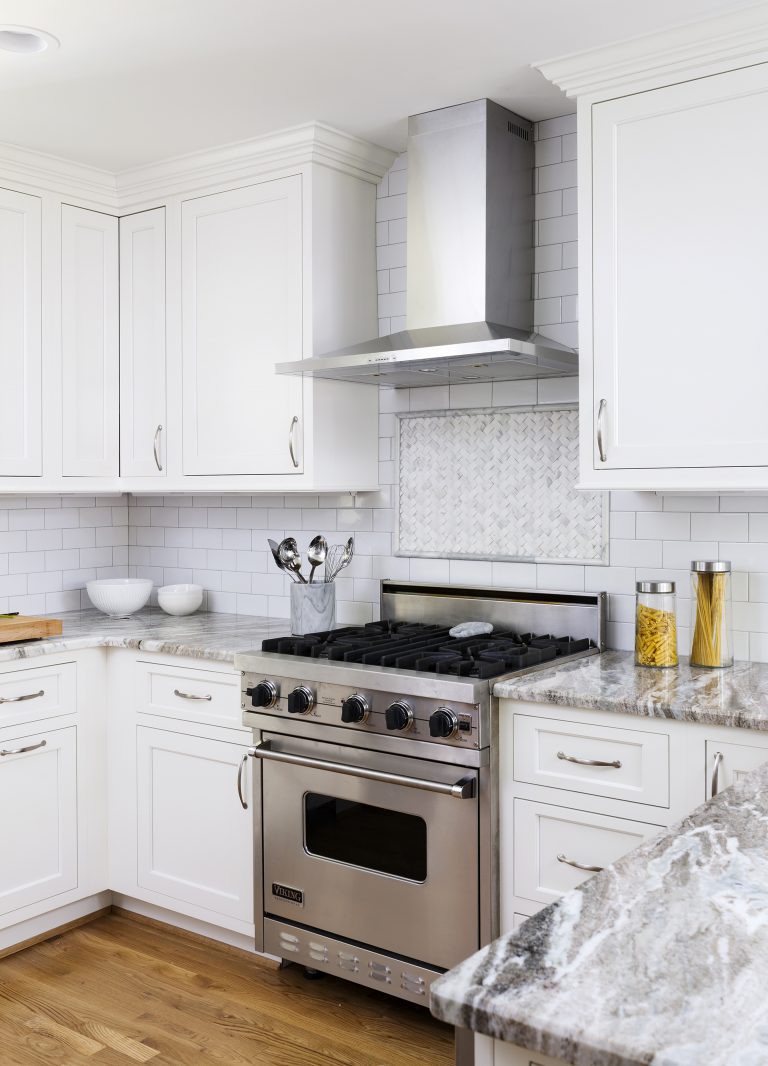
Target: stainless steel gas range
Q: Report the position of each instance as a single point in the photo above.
(375, 777)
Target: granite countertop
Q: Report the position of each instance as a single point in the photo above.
(661, 959)
(203, 635)
(737, 696)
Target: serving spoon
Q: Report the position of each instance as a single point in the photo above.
(316, 553)
(288, 551)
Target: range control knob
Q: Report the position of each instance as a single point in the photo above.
(443, 723)
(355, 709)
(265, 694)
(301, 700)
(399, 715)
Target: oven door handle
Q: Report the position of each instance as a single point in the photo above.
(463, 789)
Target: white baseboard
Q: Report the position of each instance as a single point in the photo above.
(36, 928)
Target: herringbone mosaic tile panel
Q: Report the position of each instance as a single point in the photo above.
(496, 484)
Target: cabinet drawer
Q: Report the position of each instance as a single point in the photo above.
(544, 832)
(734, 763)
(37, 694)
(188, 694)
(562, 755)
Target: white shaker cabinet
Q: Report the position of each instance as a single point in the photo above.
(242, 312)
(21, 452)
(38, 829)
(143, 421)
(679, 274)
(89, 343)
(195, 836)
(673, 219)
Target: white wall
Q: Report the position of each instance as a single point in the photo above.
(50, 546)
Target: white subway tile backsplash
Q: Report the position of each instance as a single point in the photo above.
(657, 525)
(720, 526)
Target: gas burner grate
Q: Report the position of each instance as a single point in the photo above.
(430, 648)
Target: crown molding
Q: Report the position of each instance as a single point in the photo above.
(691, 50)
(49, 173)
(310, 143)
(115, 193)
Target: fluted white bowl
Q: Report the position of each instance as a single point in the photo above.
(119, 597)
(180, 599)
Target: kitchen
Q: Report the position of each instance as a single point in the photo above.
(257, 815)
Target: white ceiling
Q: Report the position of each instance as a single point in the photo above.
(139, 80)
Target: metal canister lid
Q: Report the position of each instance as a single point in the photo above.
(655, 586)
(711, 566)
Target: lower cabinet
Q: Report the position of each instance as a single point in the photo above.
(728, 763)
(195, 834)
(38, 827)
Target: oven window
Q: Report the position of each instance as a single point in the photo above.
(375, 838)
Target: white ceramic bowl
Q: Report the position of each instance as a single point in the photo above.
(119, 596)
(180, 599)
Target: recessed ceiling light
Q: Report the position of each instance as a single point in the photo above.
(25, 41)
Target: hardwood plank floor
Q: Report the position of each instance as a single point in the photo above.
(116, 992)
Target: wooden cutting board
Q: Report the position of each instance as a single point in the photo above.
(23, 627)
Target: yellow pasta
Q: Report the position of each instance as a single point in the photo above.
(655, 637)
(707, 645)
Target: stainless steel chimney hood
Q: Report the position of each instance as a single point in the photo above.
(469, 262)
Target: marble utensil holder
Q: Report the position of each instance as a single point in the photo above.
(313, 608)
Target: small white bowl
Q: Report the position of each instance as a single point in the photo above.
(180, 599)
(119, 597)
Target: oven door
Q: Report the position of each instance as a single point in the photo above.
(374, 848)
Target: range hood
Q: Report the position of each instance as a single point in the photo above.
(469, 262)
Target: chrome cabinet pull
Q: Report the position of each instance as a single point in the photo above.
(600, 420)
(20, 699)
(23, 751)
(156, 447)
(240, 769)
(463, 789)
(580, 865)
(190, 695)
(291, 432)
(616, 763)
(716, 774)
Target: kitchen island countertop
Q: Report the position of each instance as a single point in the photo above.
(658, 961)
(203, 635)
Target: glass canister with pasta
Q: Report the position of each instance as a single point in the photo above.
(655, 624)
(711, 625)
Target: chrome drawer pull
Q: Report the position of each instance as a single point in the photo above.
(23, 751)
(716, 774)
(600, 424)
(20, 699)
(156, 447)
(580, 865)
(463, 789)
(616, 764)
(240, 769)
(190, 695)
(291, 440)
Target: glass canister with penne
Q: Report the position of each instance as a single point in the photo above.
(711, 625)
(655, 624)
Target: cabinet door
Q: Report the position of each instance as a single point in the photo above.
(195, 839)
(142, 344)
(38, 829)
(21, 452)
(242, 313)
(728, 763)
(89, 343)
(680, 221)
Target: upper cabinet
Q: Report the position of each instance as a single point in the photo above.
(90, 354)
(21, 447)
(168, 296)
(672, 268)
(241, 269)
(143, 429)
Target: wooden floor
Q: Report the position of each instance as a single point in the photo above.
(116, 992)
